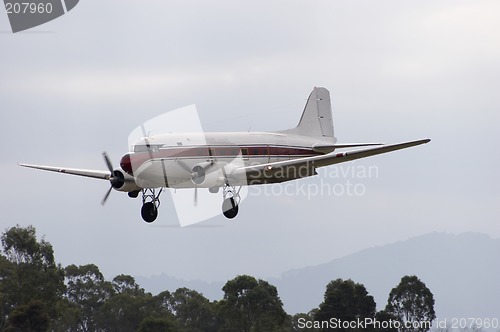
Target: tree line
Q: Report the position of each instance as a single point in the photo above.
(36, 294)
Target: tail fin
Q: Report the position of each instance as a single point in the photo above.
(316, 120)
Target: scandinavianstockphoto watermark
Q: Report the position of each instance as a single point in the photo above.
(445, 324)
(347, 180)
(366, 323)
(26, 14)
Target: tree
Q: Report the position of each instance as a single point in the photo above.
(386, 322)
(160, 315)
(30, 280)
(125, 284)
(29, 317)
(251, 305)
(345, 301)
(193, 311)
(7, 272)
(303, 322)
(411, 302)
(126, 308)
(156, 325)
(87, 291)
(161, 305)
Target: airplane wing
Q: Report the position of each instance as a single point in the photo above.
(327, 148)
(105, 175)
(309, 164)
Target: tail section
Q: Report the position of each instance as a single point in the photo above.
(316, 121)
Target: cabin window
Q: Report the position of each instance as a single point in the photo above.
(244, 151)
(255, 151)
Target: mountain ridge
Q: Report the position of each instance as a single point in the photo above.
(461, 270)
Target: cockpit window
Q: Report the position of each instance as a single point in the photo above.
(146, 148)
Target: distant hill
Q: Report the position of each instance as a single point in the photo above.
(162, 282)
(462, 271)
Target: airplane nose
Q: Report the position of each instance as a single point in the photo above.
(126, 164)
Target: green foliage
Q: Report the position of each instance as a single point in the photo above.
(20, 246)
(29, 275)
(126, 308)
(86, 293)
(383, 316)
(251, 305)
(125, 284)
(193, 311)
(345, 301)
(411, 301)
(157, 325)
(36, 294)
(300, 320)
(29, 317)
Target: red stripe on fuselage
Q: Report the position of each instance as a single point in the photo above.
(202, 152)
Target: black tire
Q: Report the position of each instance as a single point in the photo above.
(229, 208)
(149, 212)
(133, 194)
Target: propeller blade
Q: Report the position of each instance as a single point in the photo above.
(106, 196)
(196, 196)
(144, 131)
(108, 162)
(184, 166)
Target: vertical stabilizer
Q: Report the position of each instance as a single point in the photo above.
(316, 120)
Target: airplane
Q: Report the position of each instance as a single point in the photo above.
(229, 160)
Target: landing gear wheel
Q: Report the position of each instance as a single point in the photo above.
(149, 212)
(229, 208)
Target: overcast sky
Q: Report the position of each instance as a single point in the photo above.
(397, 71)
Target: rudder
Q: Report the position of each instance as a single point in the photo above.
(316, 120)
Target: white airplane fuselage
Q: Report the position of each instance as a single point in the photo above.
(162, 160)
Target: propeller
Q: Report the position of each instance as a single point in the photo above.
(195, 202)
(106, 196)
(197, 175)
(115, 178)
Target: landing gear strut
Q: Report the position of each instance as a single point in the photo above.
(150, 204)
(230, 204)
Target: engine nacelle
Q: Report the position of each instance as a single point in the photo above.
(206, 175)
(235, 178)
(122, 181)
